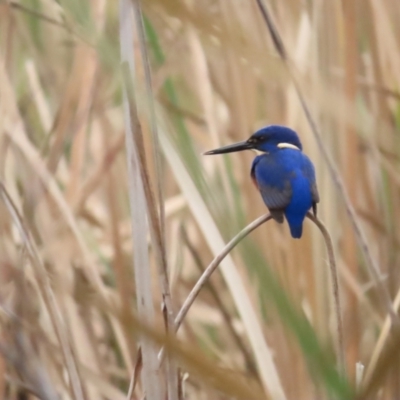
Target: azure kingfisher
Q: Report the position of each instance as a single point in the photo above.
(283, 174)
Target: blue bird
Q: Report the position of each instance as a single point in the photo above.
(283, 174)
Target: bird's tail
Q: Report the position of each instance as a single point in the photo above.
(295, 222)
(296, 230)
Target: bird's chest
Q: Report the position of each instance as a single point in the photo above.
(275, 169)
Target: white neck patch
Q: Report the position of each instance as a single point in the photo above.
(287, 146)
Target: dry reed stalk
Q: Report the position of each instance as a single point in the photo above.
(340, 346)
(157, 220)
(151, 379)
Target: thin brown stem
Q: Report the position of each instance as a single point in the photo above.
(335, 288)
(228, 319)
(213, 266)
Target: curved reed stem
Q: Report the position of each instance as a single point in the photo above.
(210, 269)
(214, 264)
(335, 288)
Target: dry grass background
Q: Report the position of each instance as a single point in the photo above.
(264, 326)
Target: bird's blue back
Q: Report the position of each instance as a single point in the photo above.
(286, 180)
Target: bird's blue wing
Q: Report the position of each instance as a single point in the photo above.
(309, 172)
(273, 182)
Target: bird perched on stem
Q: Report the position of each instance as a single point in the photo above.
(283, 174)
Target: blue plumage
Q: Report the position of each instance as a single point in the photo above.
(284, 175)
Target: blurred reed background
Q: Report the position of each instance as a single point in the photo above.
(264, 325)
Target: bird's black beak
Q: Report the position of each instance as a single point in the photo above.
(231, 148)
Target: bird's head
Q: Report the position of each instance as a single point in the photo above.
(268, 140)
